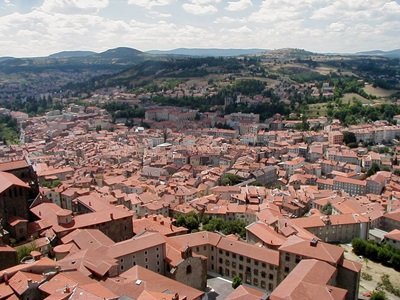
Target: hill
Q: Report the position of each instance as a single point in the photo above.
(207, 52)
(66, 54)
(391, 54)
(120, 52)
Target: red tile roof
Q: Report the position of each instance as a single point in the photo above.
(7, 180)
(308, 281)
(321, 251)
(137, 279)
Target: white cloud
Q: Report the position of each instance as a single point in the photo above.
(228, 20)
(149, 4)
(337, 26)
(201, 8)
(316, 25)
(239, 5)
(155, 14)
(73, 6)
(203, 2)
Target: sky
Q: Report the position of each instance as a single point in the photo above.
(42, 27)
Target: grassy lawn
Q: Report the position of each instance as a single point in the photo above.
(316, 110)
(353, 96)
(378, 92)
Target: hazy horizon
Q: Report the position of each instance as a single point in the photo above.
(42, 27)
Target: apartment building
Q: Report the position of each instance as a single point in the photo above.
(350, 185)
(229, 257)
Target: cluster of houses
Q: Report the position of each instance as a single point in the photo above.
(101, 206)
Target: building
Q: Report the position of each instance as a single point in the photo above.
(14, 196)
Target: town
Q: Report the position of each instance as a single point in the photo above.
(100, 204)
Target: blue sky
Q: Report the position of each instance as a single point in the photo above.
(43, 27)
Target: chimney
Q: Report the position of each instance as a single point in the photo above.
(146, 215)
(175, 297)
(314, 242)
(67, 289)
(111, 216)
(162, 222)
(5, 277)
(154, 218)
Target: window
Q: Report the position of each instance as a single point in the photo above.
(255, 271)
(240, 267)
(145, 259)
(220, 251)
(286, 269)
(158, 255)
(233, 264)
(227, 272)
(297, 259)
(287, 257)
(122, 260)
(241, 258)
(204, 248)
(271, 267)
(197, 249)
(158, 262)
(264, 265)
(227, 253)
(255, 281)
(233, 255)
(263, 274)
(220, 260)
(271, 277)
(189, 269)
(158, 270)
(270, 286)
(248, 269)
(147, 266)
(256, 262)
(233, 273)
(145, 252)
(248, 260)
(157, 249)
(212, 257)
(263, 284)
(122, 267)
(227, 263)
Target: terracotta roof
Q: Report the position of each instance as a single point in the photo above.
(244, 292)
(266, 234)
(135, 244)
(61, 280)
(7, 180)
(321, 251)
(12, 165)
(198, 239)
(308, 281)
(137, 279)
(248, 250)
(5, 291)
(19, 282)
(93, 291)
(393, 235)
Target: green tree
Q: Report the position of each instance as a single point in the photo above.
(374, 168)
(327, 208)
(378, 295)
(25, 250)
(189, 221)
(231, 179)
(236, 281)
